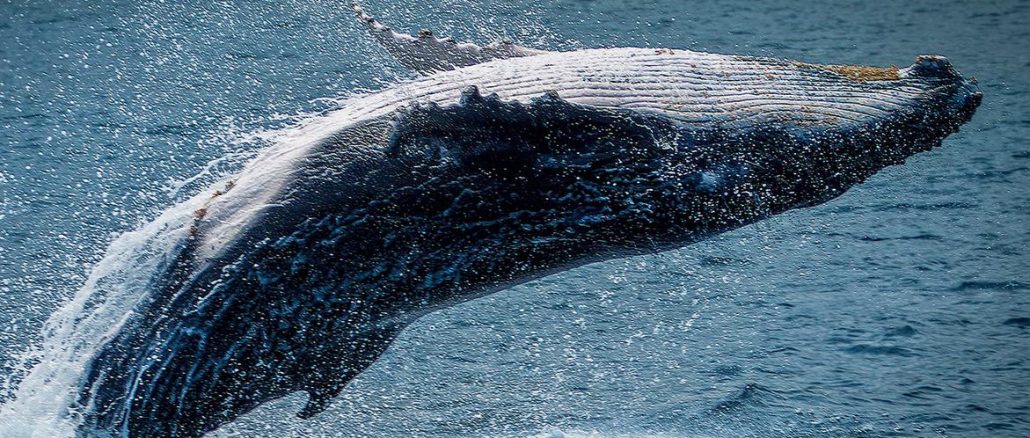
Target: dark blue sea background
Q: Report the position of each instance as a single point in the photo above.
(900, 309)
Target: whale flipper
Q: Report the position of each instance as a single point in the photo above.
(426, 53)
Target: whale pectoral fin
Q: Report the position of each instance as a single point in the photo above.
(323, 385)
(426, 53)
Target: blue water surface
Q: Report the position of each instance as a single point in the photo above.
(900, 309)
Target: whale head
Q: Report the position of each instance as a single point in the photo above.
(615, 180)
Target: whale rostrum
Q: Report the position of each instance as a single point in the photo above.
(501, 165)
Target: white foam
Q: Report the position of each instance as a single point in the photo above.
(41, 404)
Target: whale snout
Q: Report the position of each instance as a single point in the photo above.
(963, 95)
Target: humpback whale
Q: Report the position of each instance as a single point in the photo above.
(499, 165)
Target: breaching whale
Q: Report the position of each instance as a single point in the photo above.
(500, 165)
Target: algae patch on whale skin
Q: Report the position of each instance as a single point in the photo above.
(201, 212)
(860, 73)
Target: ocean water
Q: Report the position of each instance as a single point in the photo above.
(899, 309)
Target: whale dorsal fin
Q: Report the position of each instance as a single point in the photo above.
(427, 53)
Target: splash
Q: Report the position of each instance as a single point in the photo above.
(43, 403)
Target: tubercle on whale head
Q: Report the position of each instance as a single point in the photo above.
(933, 66)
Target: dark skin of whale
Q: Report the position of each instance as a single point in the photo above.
(391, 219)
